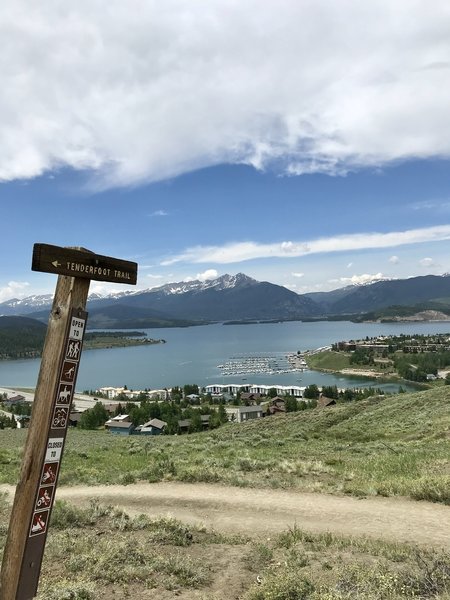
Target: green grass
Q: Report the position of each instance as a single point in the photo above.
(101, 553)
(399, 445)
(99, 340)
(329, 360)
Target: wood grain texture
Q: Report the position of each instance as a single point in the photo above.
(76, 262)
(70, 293)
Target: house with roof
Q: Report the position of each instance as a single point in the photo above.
(152, 427)
(14, 401)
(240, 414)
(323, 401)
(276, 406)
(183, 425)
(120, 425)
(250, 397)
(74, 418)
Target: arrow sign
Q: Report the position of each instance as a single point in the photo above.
(82, 263)
(35, 492)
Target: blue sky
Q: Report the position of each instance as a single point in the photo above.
(303, 144)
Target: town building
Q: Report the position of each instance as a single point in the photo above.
(240, 414)
(261, 389)
(120, 425)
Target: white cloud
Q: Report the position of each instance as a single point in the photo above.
(159, 213)
(298, 274)
(317, 287)
(394, 260)
(360, 279)
(141, 91)
(208, 274)
(435, 206)
(350, 265)
(427, 262)
(147, 282)
(104, 288)
(14, 289)
(241, 251)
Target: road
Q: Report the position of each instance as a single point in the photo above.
(81, 402)
(267, 512)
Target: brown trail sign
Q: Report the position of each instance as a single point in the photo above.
(44, 447)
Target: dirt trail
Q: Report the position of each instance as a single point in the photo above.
(258, 512)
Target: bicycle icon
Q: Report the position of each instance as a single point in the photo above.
(59, 418)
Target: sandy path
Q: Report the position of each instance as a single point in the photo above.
(251, 511)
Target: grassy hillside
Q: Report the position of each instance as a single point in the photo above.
(441, 305)
(329, 360)
(102, 553)
(398, 445)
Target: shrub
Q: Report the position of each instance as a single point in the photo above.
(432, 489)
(282, 585)
(65, 590)
(66, 515)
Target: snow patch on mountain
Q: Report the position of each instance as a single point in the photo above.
(224, 282)
(30, 303)
(37, 300)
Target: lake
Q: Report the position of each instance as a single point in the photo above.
(192, 355)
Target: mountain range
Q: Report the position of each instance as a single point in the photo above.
(241, 298)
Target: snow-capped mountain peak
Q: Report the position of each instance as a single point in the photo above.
(33, 303)
(30, 301)
(221, 283)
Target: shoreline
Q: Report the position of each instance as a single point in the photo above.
(381, 377)
(108, 344)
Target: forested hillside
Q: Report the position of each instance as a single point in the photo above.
(21, 337)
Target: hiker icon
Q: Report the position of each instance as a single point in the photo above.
(73, 350)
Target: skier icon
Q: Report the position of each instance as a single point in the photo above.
(69, 373)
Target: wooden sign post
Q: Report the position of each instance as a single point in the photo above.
(35, 492)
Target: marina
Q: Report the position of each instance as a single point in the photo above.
(272, 364)
(192, 355)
